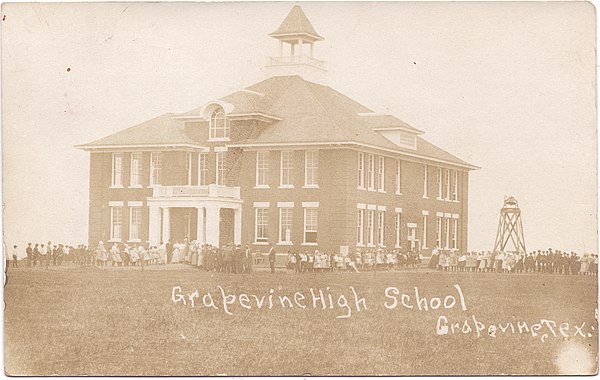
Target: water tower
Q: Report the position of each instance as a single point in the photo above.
(510, 227)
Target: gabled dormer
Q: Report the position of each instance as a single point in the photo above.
(393, 129)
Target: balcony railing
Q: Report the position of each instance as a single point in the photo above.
(211, 191)
(295, 59)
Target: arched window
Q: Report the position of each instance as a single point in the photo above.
(219, 126)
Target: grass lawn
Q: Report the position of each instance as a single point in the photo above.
(91, 321)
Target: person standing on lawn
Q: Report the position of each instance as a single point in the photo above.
(272, 258)
(14, 256)
(29, 252)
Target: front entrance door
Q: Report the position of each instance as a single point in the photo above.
(226, 226)
(183, 224)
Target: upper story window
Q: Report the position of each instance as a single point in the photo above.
(398, 177)
(361, 170)
(371, 173)
(311, 168)
(202, 169)
(455, 185)
(135, 179)
(425, 181)
(262, 168)
(219, 125)
(155, 168)
(287, 167)
(381, 174)
(117, 170)
(221, 167)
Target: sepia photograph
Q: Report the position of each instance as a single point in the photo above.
(299, 188)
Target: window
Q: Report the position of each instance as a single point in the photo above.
(438, 232)
(310, 225)
(424, 231)
(219, 125)
(136, 169)
(380, 228)
(360, 232)
(455, 186)
(439, 182)
(135, 223)
(262, 168)
(285, 225)
(447, 232)
(425, 181)
(262, 221)
(454, 232)
(361, 170)
(311, 168)
(447, 177)
(221, 167)
(398, 177)
(117, 170)
(381, 174)
(371, 173)
(287, 167)
(397, 226)
(371, 228)
(155, 168)
(202, 169)
(116, 223)
(188, 167)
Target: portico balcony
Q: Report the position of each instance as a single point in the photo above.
(296, 59)
(208, 191)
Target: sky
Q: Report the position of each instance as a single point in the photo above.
(509, 87)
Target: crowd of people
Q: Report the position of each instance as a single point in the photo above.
(549, 261)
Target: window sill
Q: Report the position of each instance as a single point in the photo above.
(310, 186)
(218, 139)
(285, 243)
(371, 189)
(262, 187)
(153, 186)
(116, 187)
(371, 245)
(397, 193)
(360, 188)
(360, 245)
(285, 187)
(310, 244)
(136, 187)
(440, 199)
(397, 247)
(260, 243)
(425, 197)
(134, 241)
(114, 240)
(381, 191)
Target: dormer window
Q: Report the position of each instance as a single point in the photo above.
(219, 125)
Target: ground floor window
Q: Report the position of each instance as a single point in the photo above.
(424, 230)
(116, 223)
(371, 228)
(262, 219)
(454, 233)
(380, 228)
(310, 225)
(438, 233)
(135, 223)
(360, 233)
(398, 224)
(285, 224)
(447, 232)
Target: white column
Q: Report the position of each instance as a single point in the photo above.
(237, 226)
(154, 225)
(166, 224)
(300, 48)
(200, 234)
(213, 219)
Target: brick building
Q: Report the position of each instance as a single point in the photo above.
(288, 161)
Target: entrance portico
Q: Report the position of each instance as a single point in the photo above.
(207, 200)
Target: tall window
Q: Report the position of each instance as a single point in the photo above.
(438, 232)
(135, 179)
(188, 167)
(202, 169)
(439, 182)
(310, 225)
(447, 232)
(455, 185)
(116, 223)
(117, 170)
(424, 231)
(447, 180)
(397, 228)
(381, 174)
(262, 222)
(262, 168)
(285, 224)
(425, 181)
(219, 125)
(454, 233)
(135, 223)
(155, 168)
(398, 177)
(287, 167)
(361, 170)
(360, 231)
(221, 167)
(380, 228)
(371, 228)
(371, 173)
(311, 167)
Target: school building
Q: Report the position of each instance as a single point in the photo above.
(288, 161)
